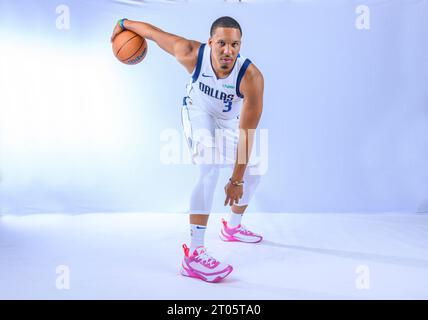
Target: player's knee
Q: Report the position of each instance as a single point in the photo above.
(253, 179)
(209, 173)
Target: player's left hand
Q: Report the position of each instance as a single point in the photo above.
(233, 193)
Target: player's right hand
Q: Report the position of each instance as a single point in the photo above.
(117, 29)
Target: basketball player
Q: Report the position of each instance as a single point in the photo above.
(225, 94)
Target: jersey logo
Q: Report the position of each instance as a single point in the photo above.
(207, 76)
(228, 86)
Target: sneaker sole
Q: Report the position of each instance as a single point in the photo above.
(212, 279)
(227, 239)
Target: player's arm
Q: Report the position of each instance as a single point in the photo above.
(252, 87)
(184, 50)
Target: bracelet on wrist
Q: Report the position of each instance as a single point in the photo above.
(236, 182)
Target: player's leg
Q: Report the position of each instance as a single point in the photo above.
(232, 229)
(226, 141)
(197, 263)
(251, 181)
(201, 201)
(201, 145)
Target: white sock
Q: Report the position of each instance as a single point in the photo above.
(197, 234)
(234, 220)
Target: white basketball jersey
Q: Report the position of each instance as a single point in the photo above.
(220, 97)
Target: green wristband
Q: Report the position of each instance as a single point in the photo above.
(120, 23)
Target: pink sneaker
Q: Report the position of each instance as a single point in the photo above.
(203, 266)
(238, 233)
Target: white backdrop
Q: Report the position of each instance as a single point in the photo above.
(345, 108)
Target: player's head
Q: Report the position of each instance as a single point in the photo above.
(225, 41)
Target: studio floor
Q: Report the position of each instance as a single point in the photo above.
(137, 256)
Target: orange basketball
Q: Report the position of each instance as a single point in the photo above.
(129, 47)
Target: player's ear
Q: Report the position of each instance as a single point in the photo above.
(210, 42)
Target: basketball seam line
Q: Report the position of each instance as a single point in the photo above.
(135, 52)
(125, 43)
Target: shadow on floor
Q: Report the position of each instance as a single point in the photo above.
(394, 260)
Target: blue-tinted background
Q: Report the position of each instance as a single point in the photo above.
(345, 109)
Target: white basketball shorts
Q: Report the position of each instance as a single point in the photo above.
(210, 140)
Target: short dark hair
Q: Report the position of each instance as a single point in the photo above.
(225, 22)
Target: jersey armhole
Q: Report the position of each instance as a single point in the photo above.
(241, 75)
(195, 74)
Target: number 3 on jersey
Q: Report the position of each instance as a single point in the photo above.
(227, 106)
